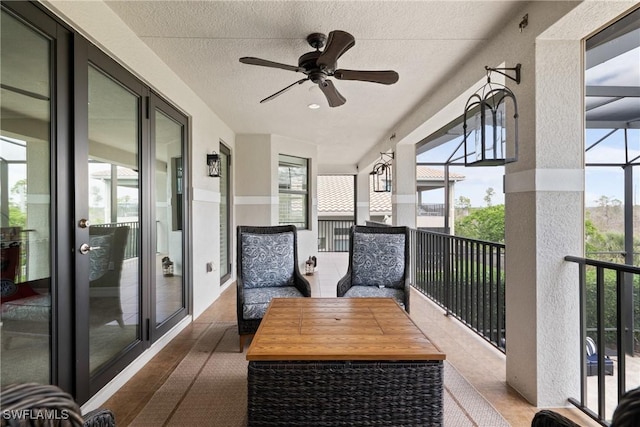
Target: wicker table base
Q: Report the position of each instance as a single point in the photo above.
(345, 393)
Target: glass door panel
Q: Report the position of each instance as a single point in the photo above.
(114, 214)
(169, 182)
(25, 203)
(225, 227)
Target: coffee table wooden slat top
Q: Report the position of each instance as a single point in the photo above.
(339, 329)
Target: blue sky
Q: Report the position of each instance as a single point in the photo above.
(599, 181)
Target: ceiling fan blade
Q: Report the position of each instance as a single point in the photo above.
(263, 62)
(338, 42)
(281, 91)
(332, 94)
(385, 77)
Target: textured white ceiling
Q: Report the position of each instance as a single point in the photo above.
(422, 40)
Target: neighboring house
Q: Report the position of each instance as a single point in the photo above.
(336, 202)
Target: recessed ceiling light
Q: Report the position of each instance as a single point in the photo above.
(313, 106)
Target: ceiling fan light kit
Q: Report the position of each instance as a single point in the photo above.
(319, 65)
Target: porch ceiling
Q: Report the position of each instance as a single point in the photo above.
(423, 41)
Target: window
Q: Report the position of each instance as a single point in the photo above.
(293, 185)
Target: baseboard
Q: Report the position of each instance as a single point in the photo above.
(127, 373)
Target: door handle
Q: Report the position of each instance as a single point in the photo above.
(85, 248)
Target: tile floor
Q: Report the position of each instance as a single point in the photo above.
(481, 364)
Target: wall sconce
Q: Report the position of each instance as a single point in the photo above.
(486, 112)
(213, 164)
(381, 174)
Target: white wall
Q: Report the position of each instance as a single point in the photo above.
(257, 192)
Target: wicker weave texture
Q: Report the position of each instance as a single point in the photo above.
(345, 393)
(45, 405)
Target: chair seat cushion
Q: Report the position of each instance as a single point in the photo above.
(256, 300)
(34, 308)
(374, 291)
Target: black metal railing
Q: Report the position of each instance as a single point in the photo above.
(333, 235)
(607, 315)
(465, 277)
(131, 250)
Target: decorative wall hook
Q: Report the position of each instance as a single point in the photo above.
(515, 69)
(525, 21)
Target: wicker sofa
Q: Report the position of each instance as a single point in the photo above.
(267, 268)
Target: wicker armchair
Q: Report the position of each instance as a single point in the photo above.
(547, 418)
(378, 264)
(267, 268)
(105, 269)
(45, 405)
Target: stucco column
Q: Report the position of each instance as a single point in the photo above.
(363, 196)
(544, 223)
(403, 196)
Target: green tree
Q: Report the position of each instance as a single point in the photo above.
(462, 205)
(17, 218)
(489, 195)
(483, 224)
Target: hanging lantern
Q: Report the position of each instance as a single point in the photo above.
(486, 121)
(381, 174)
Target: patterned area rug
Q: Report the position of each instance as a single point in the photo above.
(209, 387)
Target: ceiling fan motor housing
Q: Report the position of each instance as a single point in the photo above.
(308, 61)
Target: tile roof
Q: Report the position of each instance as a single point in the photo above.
(426, 173)
(336, 196)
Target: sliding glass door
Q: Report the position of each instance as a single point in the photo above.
(225, 213)
(93, 208)
(169, 292)
(25, 202)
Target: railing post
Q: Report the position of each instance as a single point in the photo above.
(600, 338)
(583, 333)
(621, 331)
(447, 273)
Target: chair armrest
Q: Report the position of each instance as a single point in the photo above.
(407, 293)
(301, 283)
(239, 297)
(344, 284)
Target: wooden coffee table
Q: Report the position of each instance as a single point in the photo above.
(342, 361)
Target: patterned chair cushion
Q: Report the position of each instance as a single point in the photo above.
(372, 291)
(378, 260)
(256, 300)
(35, 308)
(267, 260)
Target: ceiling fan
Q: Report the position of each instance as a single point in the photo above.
(319, 65)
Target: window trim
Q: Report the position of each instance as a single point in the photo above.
(282, 161)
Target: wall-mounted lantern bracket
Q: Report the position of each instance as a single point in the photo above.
(515, 69)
